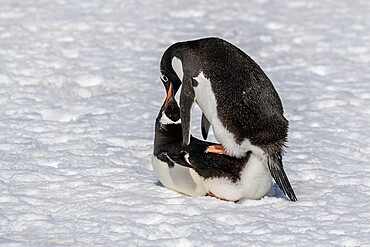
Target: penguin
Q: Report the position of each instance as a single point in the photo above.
(236, 98)
(193, 171)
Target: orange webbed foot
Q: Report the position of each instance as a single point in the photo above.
(217, 149)
(222, 199)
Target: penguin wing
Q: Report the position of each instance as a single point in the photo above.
(276, 168)
(164, 157)
(187, 100)
(205, 124)
(180, 159)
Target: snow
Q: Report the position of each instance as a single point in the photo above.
(80, 90)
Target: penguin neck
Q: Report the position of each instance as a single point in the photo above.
(168, 134)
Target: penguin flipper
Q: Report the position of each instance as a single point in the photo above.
(164, 157)
(180, 159)
(205, 124)
(187, 100)
(276, 168)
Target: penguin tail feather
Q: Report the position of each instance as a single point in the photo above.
(276, 168)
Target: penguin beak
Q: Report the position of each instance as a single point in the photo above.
(169, 94)
(169, 89)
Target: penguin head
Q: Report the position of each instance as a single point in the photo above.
(168, 124)
(167, 66)
(170, 111)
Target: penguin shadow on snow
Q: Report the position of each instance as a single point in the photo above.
(274, 192)
(159, 184)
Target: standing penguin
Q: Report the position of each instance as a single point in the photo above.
(193, 172)
(236, 98)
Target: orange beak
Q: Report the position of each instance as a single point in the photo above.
(169, 93)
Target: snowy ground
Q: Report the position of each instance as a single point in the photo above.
(80, 89)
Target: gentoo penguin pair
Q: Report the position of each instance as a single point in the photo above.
(192, 171)
(236, 98)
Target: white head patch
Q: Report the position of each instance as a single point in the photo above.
(166, 120)
(177, 67)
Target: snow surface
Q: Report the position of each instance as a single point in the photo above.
(80, 90)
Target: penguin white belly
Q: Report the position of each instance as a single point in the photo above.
(179, 178)
(206, 100)
(255, 179)
(224, 188)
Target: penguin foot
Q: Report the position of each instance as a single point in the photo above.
(217, 149)
(222, 199)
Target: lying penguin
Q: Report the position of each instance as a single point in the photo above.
(236, 98)
(194, 172)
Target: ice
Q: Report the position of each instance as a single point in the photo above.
(80, 92)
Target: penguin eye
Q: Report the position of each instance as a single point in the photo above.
(164, 78)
